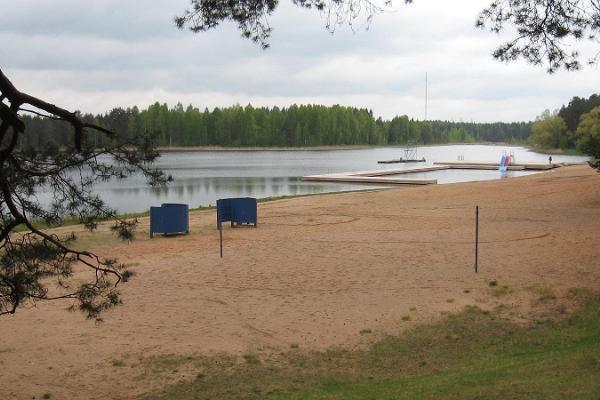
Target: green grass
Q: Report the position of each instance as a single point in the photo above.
(500, 291)
(70, 221)
(117, 363)
(251, 358)
(469, 355)
(546, 295)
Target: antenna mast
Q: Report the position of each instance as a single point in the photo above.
(425, 96)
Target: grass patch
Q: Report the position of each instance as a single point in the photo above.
(117, 362)
(545, 295)
(406, 318)
(251, 358)
(500, 291)
(578, 293)
(298, 360)
(469, 355)
(560, 309)
(69, 221)
(168, 365)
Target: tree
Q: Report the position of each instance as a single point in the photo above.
(576, 108)
(251, 16)
(549, 131)
(545, 29)
(588, 136)
(30, 261)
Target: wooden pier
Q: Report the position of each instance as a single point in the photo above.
(368, 179)
(400, 160)
(491, 165)
(378, 176)
(397, 171)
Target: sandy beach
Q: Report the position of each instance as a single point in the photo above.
(315, 272)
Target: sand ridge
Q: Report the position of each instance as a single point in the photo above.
(316, 272)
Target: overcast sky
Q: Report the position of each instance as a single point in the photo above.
(96, 55)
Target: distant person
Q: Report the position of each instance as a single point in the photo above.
(550, 160)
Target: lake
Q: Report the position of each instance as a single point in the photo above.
(200, 178)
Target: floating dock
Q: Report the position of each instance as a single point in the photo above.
(368, 179)
(398, 171)
(378, 176)
(488, 165)
(400, 160)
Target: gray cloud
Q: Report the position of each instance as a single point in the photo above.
(96, 55)
(120, 20)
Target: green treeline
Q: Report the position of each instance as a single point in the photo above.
(574, 126)
(297, 125)
(560, 129)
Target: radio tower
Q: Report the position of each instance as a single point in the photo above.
(425, 96)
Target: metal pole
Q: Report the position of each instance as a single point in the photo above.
(221, 238)
(476, 237)
(425, 96)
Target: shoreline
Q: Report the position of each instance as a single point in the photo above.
(557, 152)
(200, 149)
(222, 149)
(208, 149)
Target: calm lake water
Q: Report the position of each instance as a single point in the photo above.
(200, 178)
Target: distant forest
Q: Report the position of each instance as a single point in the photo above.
(297, 125)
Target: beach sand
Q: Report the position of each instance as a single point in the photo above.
(315, 272)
